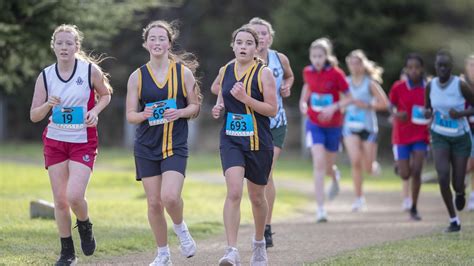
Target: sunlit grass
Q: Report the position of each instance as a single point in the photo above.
(117, 208)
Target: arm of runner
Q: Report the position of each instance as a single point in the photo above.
(133, 116)
(428, 108)
(192, 109)
(400, 115)
(288, 76)
(467, 93)
(303, 103)
(328, 111)
(381, 99)
(469, 96)
(98, 84)
(217, 109)
(216, 85)
(40, 106)
(269, 105)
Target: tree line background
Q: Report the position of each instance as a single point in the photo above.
(385, 29)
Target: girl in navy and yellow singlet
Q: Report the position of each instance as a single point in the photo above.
(246, 147)
(75, 90)
(167, 95)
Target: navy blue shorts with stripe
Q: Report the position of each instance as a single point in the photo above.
(147, 168)
(257, 164)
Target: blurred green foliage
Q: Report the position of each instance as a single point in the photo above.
(26, 27)
(385, 29)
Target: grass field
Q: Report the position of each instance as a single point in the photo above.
(435, 249)
(290, 166)
(117, 208)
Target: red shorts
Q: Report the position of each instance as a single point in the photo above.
(56, 151)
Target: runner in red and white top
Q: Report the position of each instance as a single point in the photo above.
(410, 131)
(68, 89)
(321, 101)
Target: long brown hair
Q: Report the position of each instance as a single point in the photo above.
(186, 58)
(80, 54)
(248, 29)
(371, 68)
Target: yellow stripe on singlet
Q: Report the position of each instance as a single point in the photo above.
(175, 96)
(159, 85)
(260, 86)
(256, 144)
(139, 83)
(165, 125)
(185, 93)
(222, 77)
(247, 80)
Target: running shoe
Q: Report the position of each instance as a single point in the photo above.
(231, 257)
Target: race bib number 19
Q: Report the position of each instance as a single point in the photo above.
(68, 117)
(159, 109)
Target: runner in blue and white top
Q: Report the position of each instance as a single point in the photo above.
(281, 69)
(360, 122)
(445, 100)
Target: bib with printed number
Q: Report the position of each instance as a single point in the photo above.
(418, 115)
(68, 117)
(239, 125)
(356, 120)
(445, 124)
(319, 101)
(159, 109)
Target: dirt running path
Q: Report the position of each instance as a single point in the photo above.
(299, 239)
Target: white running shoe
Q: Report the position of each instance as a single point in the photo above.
(406, 204)
(470, 204)
(359, 205)
(187, 245)
(162, 260)
(259, 254)
(321, 216)
(230, 258)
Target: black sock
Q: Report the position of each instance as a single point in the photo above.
(83, 222)
(413, 208)
(268, 227)
(67, 246)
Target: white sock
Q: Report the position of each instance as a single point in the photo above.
(455, 219)
(259, 241)
(337, 173)
(234, 248)
(321, 210)
(164, 250)
(179, 228)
